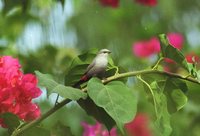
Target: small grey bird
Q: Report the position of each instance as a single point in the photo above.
(97, 68)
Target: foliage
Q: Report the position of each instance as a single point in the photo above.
(115, 98)
(158, 78)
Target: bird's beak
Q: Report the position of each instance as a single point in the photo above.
(109, 52)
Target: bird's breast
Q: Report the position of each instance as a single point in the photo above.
(101, 62)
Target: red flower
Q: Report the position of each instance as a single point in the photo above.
(171, 66)
(192, 58)
(29, 112)
(17, 90)
(139, 126)
(97, 130)
(147, 2)
(145, 49)
(176, 40)
(110, 3)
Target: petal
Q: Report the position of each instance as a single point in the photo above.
(176, 40)
(147, 2)
(30, 78)
(144, 49)
(110, 3)
(29, 111)
(192, 57)
(139, 126)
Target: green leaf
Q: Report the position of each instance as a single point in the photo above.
(154, 85)
(74, 74)
(168, 51)
(162, 122)
(167, 96)
(9, 5)
(59, 129)
(179, 98)
(193, 70)
(174, 89)
(39, 131)
(64, 91)
(179, 84)
(116, 98)
(97, 112)
(198, 75)
(10, 120)
(69, 92)
(78, 67)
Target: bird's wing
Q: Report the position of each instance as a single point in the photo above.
(90, 66)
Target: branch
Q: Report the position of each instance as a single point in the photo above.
(143, 72)
(44, 116)
(17, 132)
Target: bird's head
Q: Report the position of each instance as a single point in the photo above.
(104, 52)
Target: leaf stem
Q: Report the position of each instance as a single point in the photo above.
(109, 79)
(157, 63)
(152, 93)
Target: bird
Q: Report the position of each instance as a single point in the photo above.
(96, 69)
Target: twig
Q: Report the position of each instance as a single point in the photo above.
(109, 79)
(44, 116)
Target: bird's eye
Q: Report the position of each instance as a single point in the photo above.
(104, 52)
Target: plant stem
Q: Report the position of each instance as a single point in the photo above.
(44, 116)
(143, 72)
(157, 63)
(109, 79)
(152, 93)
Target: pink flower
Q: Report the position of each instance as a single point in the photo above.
(139, 126)
(29, 112)
(176, 40)
(167, 60)
(192, 58)
(97, 130)
(147, 2)
(17, 90)
(144, 49)
(110, 3)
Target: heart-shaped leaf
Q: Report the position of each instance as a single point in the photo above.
(174, 90)
(116, 98)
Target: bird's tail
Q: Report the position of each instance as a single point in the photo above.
(81, 81)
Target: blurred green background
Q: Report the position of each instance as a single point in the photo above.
(47, 34)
